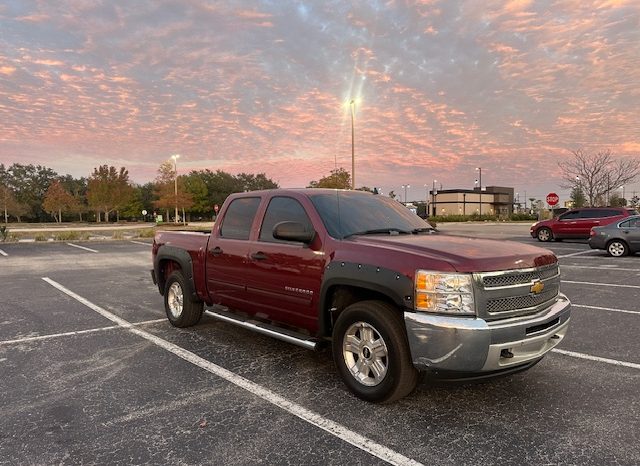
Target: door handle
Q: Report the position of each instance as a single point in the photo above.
(258, 256)
(217, 251)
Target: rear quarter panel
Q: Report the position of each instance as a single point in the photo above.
(166, 245)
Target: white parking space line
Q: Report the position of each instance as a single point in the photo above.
(615, 362)
(78, 332)
(2, 253)
(598, 308)
(579, 253)
(601, 267)
(140, 242)
(338, 430)
(601, 284)
(81, 247)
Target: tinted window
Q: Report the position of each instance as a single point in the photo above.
(282, 209)
(239, 217)
(632, 212)
(572, 215)
(598, 213)
(631, 223)
(347, 212)
(611, 212)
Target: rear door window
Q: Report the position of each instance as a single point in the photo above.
(570, 215)
(239, 218)
(594, 213)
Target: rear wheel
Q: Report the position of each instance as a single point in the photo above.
(371, 352)
(544, 234)
(617, 248)
(181, 309)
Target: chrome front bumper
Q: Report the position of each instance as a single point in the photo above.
(473, 345)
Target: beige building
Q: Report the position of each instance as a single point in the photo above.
(493, 200)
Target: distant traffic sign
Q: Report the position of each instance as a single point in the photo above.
(552, 199)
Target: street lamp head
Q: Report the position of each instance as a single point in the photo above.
(175, 157)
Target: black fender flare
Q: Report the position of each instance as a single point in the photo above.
(182, 257)
(395, 286)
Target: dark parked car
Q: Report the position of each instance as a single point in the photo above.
(619, 238)
(577, 223)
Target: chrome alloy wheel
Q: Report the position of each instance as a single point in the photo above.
(365, 354)
(544, 234)
(175, 299)
(616, 249)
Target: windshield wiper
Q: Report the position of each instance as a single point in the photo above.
(379, 231)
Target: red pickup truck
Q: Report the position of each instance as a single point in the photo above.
(361, 271)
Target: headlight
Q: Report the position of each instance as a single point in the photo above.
(447, 293)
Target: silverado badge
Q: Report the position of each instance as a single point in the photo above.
(537, 287)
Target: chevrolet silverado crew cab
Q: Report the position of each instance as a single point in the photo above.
(392, 296)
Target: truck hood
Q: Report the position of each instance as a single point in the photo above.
(464, 254)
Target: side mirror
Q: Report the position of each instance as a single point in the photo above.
(293, 231)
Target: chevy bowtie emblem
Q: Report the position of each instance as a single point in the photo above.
(537, 287)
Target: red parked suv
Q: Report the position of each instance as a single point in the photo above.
(577, 223)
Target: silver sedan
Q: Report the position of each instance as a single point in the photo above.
(619, 238)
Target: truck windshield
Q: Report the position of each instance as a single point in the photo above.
(348, 213)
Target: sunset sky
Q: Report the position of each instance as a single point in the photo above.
(445, 86)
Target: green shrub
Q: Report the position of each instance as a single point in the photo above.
(4, 233)
(146, 233)
(41, 237)
(522, 217)
(67, 236)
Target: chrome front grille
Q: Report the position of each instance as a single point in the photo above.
(520, 302)
(520, 277)
(514, 293)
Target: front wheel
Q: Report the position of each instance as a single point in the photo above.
(544, 235)
(371, 352)
(617, 248)
(181, 309)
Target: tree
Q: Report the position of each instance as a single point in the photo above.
(108, 190)
(78, 189)
(29, 184)
(338, 179)
(249, 182)
(197, 188)
(617, 201)
(57, 200)
(577, 197)
(598, 174)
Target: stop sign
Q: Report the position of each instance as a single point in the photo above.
(552, 198)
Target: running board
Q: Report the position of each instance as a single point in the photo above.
(270, 330)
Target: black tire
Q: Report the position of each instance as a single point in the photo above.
(376, 364)
(544, 234)
(617, 248)
(182, 310)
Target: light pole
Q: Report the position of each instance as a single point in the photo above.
(578, 193)
(433, 200)
(405, 186)
(175, 158)
(480, 178)
(352, 106)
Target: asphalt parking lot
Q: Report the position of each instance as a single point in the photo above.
(92, 372)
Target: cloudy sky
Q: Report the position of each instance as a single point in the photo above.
(445, 86)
